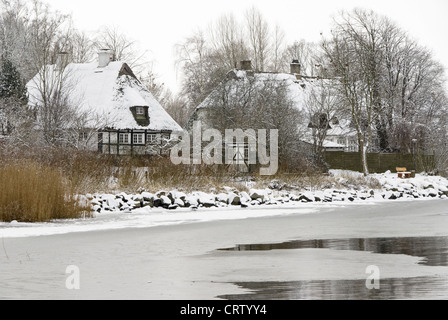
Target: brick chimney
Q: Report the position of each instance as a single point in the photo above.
(246, 65)
(105, 56)
(295, 67)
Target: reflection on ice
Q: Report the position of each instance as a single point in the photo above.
(397, 288)
(433, 249)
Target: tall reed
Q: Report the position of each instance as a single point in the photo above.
(30, 192)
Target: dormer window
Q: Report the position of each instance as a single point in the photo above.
(141, 115)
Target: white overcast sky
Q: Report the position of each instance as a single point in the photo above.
(159, 25)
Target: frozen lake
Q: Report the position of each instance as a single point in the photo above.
(309, 252)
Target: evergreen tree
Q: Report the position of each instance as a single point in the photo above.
(11, 83)
(13, 97)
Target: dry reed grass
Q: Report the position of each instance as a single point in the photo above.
(31, 192)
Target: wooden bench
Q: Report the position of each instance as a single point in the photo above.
(403, 173)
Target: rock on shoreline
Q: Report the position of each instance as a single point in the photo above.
(393, 188)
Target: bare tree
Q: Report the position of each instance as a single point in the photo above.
(200, 70)
(355, 53)
(259, 38)
(227, 40)
(82, 48)
(278, 56)
(250, 103)
(48, 33)
(51, 104)
(324, 109)
(14, 42)
(411, 81)
(177, 107)
(123, 47)
(278, 111)
(150, 80)
(391, 83)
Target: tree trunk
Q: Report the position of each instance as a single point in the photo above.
(363, 153)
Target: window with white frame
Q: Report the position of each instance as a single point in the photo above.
(353, 146)
(151, 138)
(140, 111)
(138, 138)
(124, 138)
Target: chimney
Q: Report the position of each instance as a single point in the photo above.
(105, 56)
(246, 65)
(295, 67)
(62, 60)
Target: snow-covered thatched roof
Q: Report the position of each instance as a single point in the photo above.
(103, 93)
(298, 88)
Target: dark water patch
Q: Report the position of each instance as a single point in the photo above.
(433, 249)
(396, 288)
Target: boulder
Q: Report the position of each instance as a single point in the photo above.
(136, 205)
(432, 193)
(191, 201)
(179, 203)
(205, 199)
(208, 204)
(306, 197)
(166, 202)
(171, 197)
(147, 204)
(161, 193)
(256, 194)
(222, 197)
(234, 199)
(244, 197)
(157, 202)
(137, 197)
(147, 196)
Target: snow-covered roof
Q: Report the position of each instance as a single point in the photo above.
(326, 144)
(106, 93)
(331, 144)
(298, 89)
(342, 129)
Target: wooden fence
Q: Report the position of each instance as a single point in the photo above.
(379, 162)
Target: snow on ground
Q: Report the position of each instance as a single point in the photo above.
(141, 218)
(117, 211)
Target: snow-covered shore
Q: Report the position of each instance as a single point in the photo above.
(165, 208)
(392, 188)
